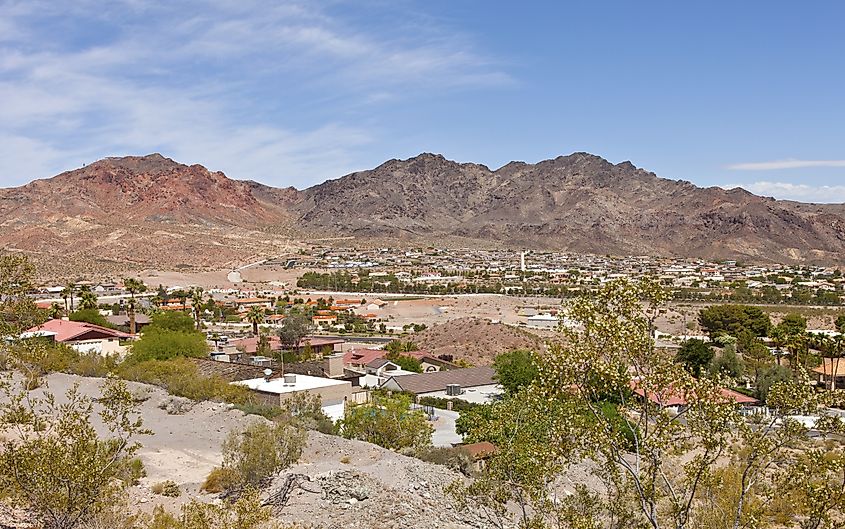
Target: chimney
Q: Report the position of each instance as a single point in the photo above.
(333, 365)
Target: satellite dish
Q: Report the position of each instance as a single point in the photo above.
(268, 372)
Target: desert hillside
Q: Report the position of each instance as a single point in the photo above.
(149, 211)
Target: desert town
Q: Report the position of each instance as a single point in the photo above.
(390, 331)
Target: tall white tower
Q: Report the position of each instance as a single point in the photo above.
(522, 260)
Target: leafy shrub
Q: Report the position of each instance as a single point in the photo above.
(133, 471)
(167, 488)
(455, 458)
(179, 376)
(166, 344)
(442, 403)
(262, 450)
(221, 479)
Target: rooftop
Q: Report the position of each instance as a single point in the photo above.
(438, 380)
(301, 383)
(66, 330)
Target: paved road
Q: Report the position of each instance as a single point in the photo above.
(444, 428)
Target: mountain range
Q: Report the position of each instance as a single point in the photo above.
(150, 211)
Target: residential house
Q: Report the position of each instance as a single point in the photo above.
(324, 320)
(122, 321)
(472, 384)
(831, 374)
(244, 304)
(273, 391)
(82, 336)
(676, 401)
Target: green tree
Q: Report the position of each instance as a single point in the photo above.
(793, 323)
(18, 311)
(695, 355)
(401, 346)
(732, 319)
(196, 305)
(840, 323)
(655, 461)
(90, 316)
(134, 287)
(255, 316)
(176, 321)
(67, 294)
(293, 329)
(408, 363)
(87, 298)
(388, 422)
(515, 369)
(55, 463)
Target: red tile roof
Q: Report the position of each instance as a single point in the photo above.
(362, 356)
(68, 331)
(670, 397)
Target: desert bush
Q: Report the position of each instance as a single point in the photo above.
(55, 462)
(306, 411)
(180, 377)
(455, 458)
(167, 488)
(262, 450)
(133, 471)
(246, 513)
(221, 479)
(167, 344)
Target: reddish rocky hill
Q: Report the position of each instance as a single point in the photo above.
(150, 211)
(143, 211)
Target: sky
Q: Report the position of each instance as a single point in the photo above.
(720, 93)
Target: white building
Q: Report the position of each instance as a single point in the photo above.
(273, 391)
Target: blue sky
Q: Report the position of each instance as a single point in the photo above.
(719, 93)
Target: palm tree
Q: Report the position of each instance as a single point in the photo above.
(55, 310)
(255, 316)
(797, 345)
(133, 286)
(68, 292)
(835, 347)
(196, 304)
(87, 298)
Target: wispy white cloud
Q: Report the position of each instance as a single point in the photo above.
(264, 90)
(789, 163)
(800, 192)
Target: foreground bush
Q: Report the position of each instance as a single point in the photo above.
(251, 457)
(55, 464)
(246, 513)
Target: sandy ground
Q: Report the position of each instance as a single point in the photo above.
(185, 447)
